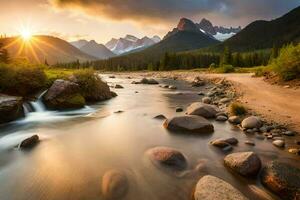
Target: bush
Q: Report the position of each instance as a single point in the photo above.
(237, 109)
(287, 64)
(21, 79)
(226, 69)
(91, 85)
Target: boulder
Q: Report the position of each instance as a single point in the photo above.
(29, 142)
(221, 118)
(282, 179)
(168, 157)
(193, 124)
(235, 119)
(244, 163)
(63, 95)
(206, 100)
(11, 108)
(219, 143)
(204, 110)
(279, 143)
(149, 81)
(232, 141)
(115, 184)
(213, 188)
(251, 122)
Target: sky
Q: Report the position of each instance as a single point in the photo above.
(102, 20)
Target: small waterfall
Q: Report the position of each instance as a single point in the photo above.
(38, 105)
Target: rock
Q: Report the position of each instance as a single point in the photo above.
(248, 142)
(198, 82)
(149, 81)
(168, 157)
(119, 86)
(294, 151)
(119, 111)
(251, 122)
(297, 142)
(63, 95)
(11, 108)
(235, 119)
(279, 143)
(244, 163)
(289, 133)
(206, 100)
(115, 184)
(232, 141)
(193, 124)
(221, 118)
(30, 142)
(225, 100)
(227, 149)
(213, 188)
(112, 76)
(201, 94)
(172, 87)
(135, 82)
(282, 179)
(160, 117)
(204, 110)
(179, 109)
(221, 143)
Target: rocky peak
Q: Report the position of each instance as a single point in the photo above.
(187, 25)
(207, 26)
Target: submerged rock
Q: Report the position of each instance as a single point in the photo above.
(251, 122)
(168, 157)
(194, 124)
(282, 179)
(213, 188)
(244, 163)
(160, 117)
(204, 110)
(30, 142)
(115, 184)
(63, 95)
(11, 108)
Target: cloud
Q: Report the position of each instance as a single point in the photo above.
(169, 10)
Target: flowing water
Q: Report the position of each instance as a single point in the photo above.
(79, 146)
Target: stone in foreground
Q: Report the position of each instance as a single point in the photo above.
(11, 108)
(193, 124)
(168, 157)
(115, 184)
(282, 179)
(30, 142)
(202, 109)
(213, 188)
(251, 122)
(244, 163)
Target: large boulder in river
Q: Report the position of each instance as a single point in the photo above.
(150, 81)
(11, 108)
(115, 184)
(213, 188)
(251, 122)
(282, 179)
(193, 124)
(63, 95)
(202, 109)
(244, 163)
(168, 157)
(29, 142)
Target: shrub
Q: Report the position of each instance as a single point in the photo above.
(226, 69)
(21, 79)
(287, 64)
(91, 85)
(237, 109)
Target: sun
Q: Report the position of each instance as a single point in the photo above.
(26, 34)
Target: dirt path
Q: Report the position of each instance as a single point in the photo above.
(272, 102)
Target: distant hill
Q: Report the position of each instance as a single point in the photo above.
(96, 50)
(41, 48)
(264, 34)
(80, 43)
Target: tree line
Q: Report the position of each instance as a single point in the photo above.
(4, 57)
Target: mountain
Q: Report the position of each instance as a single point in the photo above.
(41, 48)
(130, 43)
(219, 32)
(80, 43)
(265, 34)
(96, 50)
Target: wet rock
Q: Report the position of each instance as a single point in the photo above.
(11, 108)
(29, 142)
(221, 118)
(160, 117)
(289, 133)
(63, 95)
(198, 82)
(213, 188)
(232, 141)
(221, 143)
(244, 163)
(179, 109)
(172, 87)
(150, 81)
(112, 76)
(282, 179)
(248, 142)
(168, 157)
(204, 110)
(251, 122)
(119, 86)
(193, 124)
(235, 119)
(294, 151)
(201, 94)
(279, 143)
(206, 100)
(115, 184)
(227, 149)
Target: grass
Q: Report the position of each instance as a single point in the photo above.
(237, 109)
